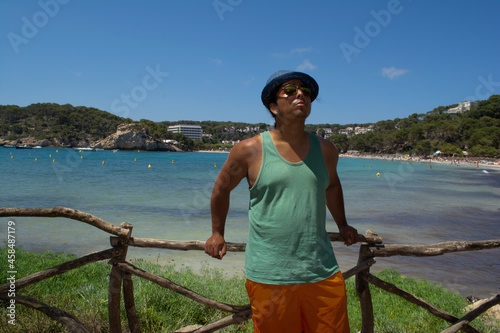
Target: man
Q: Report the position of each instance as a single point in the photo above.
(293, 280)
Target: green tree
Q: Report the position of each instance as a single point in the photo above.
(450, 149)
(424, 147)
(341, 141)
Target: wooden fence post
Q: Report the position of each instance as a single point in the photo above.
(115, 281)
(363, 290)
(128, 294)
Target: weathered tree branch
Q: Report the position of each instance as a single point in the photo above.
(166, 283)
(368, 237)
(128, 290)
(360, 267)
(431, 249)
(59, 269)
(415, 300)
(229, 320)
(200, 245)
(364, 294)
(73, 324)
(175, 245)
(115, 284)
(465, 320)
(65, 212)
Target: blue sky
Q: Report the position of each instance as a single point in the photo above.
(209, 60)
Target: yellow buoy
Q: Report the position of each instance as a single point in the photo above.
(80, 151)
(50, 155)
(12, 156)
(103, 163)
(378, 174)
(135, 159)
(149, 166)
(215, 165)
(36, 159)
(57, 151)
(81, 156)
(172, 161)
(53, 160)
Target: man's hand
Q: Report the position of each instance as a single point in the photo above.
(215, 246)
(349, 234)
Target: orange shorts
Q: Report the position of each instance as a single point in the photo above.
(310, 308)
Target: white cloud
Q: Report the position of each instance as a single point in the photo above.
(75, 73)
(297, 51)
(306, 65)
(300, 51)
(218, 62)
(278, 55)
(246, 83)
(393, 72)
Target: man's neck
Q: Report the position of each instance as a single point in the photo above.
(292, 132)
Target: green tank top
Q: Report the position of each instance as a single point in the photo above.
(287, 239)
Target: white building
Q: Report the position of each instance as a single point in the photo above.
(462, 107)
(346, 131)
(192, 131)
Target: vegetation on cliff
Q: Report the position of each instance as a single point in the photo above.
(477, 132)
(50, 121)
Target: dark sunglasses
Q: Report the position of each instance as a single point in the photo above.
(292, 90)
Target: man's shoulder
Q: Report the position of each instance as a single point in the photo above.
(247, 147)
(250, 143)
(327, 145)
(329, 150)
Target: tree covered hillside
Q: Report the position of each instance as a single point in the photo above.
(66, 123)
(476, 131)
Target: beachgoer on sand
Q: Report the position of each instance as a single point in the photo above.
(293, 279)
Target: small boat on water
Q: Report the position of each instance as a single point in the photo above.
(84, 148)
(24, 147)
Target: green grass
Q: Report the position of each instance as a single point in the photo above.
(84, 293)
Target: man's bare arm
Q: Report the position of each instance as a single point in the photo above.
(335, 195)
(231, 174)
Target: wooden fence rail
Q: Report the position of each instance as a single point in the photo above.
(121, 271)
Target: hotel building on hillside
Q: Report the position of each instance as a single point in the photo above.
(191, 131)
(462, 106)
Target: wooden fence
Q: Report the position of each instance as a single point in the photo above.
(122, 271)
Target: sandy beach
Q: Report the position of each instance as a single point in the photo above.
(463, 162)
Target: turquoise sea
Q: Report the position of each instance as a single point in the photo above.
(409, 203)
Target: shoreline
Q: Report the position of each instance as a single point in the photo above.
(462, 162)
(211, 151)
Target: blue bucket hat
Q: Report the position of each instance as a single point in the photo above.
(275, 81)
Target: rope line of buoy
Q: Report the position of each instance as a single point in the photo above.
(102, 163)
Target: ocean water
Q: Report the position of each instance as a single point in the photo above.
(408, 203)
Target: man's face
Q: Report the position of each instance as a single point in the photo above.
(293, 100)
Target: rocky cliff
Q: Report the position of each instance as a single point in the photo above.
(128, 137)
